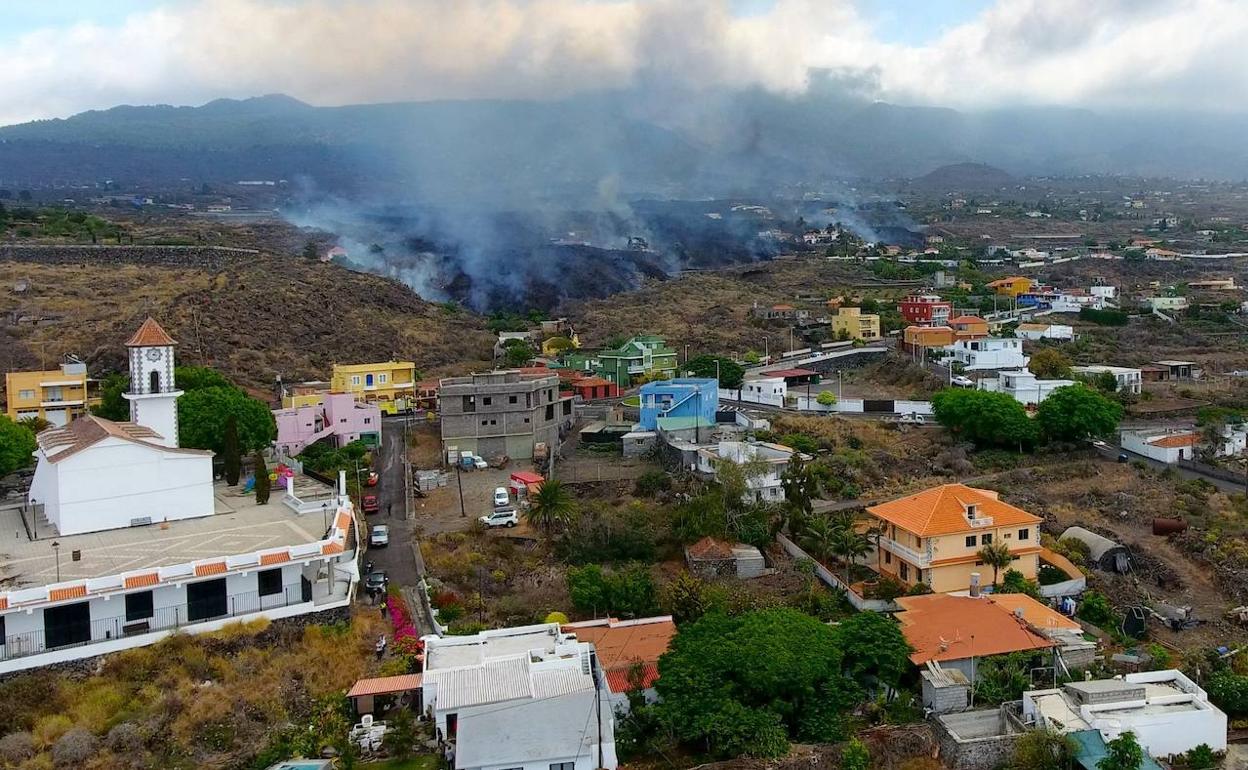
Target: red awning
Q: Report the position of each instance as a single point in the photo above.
(385, 685)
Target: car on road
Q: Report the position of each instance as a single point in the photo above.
(372, 479)
(501, 498)
(962, 381)
(379, 537)
(376, 582)
(370, 504)
(913, 418)
(506, 518)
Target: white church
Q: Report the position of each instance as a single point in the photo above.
(95, 474)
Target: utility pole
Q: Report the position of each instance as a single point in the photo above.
(459, 481)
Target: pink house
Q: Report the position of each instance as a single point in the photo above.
(338, 415)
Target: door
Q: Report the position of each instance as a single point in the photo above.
(66, 625)
(368, 380)
(305, 588)
(205, 600)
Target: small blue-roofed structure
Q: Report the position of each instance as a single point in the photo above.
(685, 401)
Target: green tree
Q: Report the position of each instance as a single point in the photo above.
(1050, 364)
(792, 689)
(231, 451)
(552, 506)
(401, 738)
(983, 418)
(684, 598)
(1077, 413)
(1013, 582)
(730, 373)
(856, 756)
(873, 649)
(517, 353)
(113, 406)
(559, 344)
(628, 592)
(262, 481)
(995, 555)
(202, 415)
(188, 378)
(848, 543)
(17, 445)
(801, 486)
(1043, 749)
(1122, 753)
(826, 398)
(34, 423)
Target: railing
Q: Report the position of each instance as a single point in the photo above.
(909, 554)
(161, 619)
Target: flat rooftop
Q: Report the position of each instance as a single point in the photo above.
(454, 652)
(239, 526)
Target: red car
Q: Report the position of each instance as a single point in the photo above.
(370, 504)
(372, 479)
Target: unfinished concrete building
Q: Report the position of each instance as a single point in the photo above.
(503, 413)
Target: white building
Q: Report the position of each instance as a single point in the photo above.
(1130, 380)
(989, 353)
(1166, 447)
(1023, 386)
(1104, 292)
(771, 459)
(1168, 713)
(1042, 331)
(1166, 303)
(135, 542)
(525, 698)
(763, 390)
(1071, 302)
(96, 474)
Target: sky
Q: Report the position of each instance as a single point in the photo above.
(65, 56)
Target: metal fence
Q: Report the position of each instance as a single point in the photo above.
(66, 635)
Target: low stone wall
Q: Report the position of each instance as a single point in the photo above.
(976, 740)
(210, 257)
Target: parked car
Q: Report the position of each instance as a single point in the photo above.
(379, 537)
(376, 582)
(505, 518)
(501, 498)
(914, 418)
(370, 504)
(479, 462)
(962, 381)
(372, 479)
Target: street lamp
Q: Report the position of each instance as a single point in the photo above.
(324, 517)
(56, 548)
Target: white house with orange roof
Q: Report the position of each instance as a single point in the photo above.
(1163, 446)
(934, 536)
(127, 539)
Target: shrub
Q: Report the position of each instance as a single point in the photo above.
(16, 748)
(124, 738)
(51, 727)
(652, 483)
(919, 589)
(888, 588)
(1203, 757)
(1095, 609)
(74, 747)
(556, 617)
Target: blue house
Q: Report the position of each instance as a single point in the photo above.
(680, 404)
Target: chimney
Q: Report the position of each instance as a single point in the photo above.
(974, 584)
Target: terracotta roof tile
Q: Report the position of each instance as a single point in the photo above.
(140, 581)
(150, 335)
(70, 592)
(709, 548)
(619, 644)
(1173, 442)
(274, 558)
(385, 685)
(88, 430)
(619, 679)
(940, 627)
(967, 319)
(329, 549)
(942, 510)
(4, 602)
(212, 568)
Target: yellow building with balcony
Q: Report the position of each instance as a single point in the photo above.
(56, 395)
(390, 385)
(852, 323)
(934, 537)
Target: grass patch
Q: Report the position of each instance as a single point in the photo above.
(422, 762)
(633, 401)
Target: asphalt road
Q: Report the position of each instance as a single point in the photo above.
(1111, 452)
(395, 559)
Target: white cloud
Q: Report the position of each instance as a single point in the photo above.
(1133, 53)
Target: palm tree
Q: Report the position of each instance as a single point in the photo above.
(819, 538)
(995, 555)
(849, 544)
(550, 506)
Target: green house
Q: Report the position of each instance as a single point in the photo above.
(643, 354)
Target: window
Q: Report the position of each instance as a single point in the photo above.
(139, 606)
(550, 411)
(270, 581)
(904, 571)
(562, 766)
(486, 401)
(355, 379)
(2, 634)
(1024, 534)
(26, 395)
(368, 420)
(470, 403)
(383, 377)
(986, 539)
(154, 382)
(888, 557)
(970, 541)
(526, 420)
(512, 399)
(567, 407)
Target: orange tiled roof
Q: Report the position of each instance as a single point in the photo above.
(212, 568)
(709, 548)
(72, 592)
(941, 510)
(330, 549)
(88, 430)
(274, 558)
(940, 627)
(150, 335)
(620, 644)
(385, 685)
(967, 319)
(140, 581)
(4, 602)
(618, 678)
(1173, 442)
(1035, 613)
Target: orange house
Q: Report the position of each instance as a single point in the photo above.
(934, 536)
(917, 339)
(1012, 286)
(969, 327)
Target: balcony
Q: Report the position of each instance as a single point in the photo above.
(62, 402)
(909, 554)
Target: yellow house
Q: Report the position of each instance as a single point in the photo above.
(552, 351)
(857, 324)
(1012, 286)
(390, 385)
(934, 536)
(56, 395)
(304, 394)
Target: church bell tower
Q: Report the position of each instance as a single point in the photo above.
(153, 396)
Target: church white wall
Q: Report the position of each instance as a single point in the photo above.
(160, 414)
(44, 489)
(114, 482)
